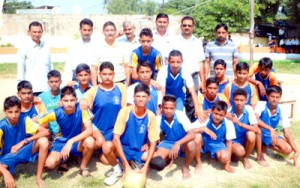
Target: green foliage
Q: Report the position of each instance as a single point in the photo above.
(10, 6)
(266, 11)
(148, 7)
(179, 6)
(6, 45)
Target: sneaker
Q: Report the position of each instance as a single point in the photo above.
(109, 172)
(115, 176)
(135, 165)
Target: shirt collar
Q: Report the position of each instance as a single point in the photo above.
(217, 43)
(34, 44)
(155, 32)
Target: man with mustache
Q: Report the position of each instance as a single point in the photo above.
(130, 39)
(221, 48)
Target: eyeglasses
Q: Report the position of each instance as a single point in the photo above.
(187, 25)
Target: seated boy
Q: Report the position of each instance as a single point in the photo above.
(83, 75)
(246, 128)
(220, 69)
(144, 73)
(145, 53)
(270, 114)
(178, 137)
(241, 81)
(223, 130)
(206, 101)
(175, 80)
(51, 98)
(135, 128)
(76, 130)
(264, 77)
(16, 147)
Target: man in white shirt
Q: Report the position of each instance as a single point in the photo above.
(130, 39)
(34, 61)
(82, 50)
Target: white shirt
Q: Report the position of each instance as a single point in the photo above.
(79, 52)
(192, 52)
(34, 63)
(129, 45)
(163, 43)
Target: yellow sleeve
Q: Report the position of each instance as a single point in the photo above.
(153, 132)
(227, 91)
(40, 108)
(90, 95)
(254, 97)
(273, 80)
(134, 60)
(253, 69)
(123, 91)
(223, 98)
(121, 120)
(200, 102)
(158, 62)
(1, 141)
(30, 126)
(87, 115)
(46, 118)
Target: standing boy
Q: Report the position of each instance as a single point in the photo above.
(220, 69)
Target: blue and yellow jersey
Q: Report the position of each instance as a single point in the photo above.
(11, 135)
(136, 131)
(252, 97)
(70, 125)
(34, 111)
(205, 104)
(222, 85)
(106, 104)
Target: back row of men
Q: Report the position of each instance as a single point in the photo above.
(120, 122)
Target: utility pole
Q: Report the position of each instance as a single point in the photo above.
(251, 32)
(163, 6)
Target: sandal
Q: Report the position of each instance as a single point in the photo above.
(62, 169)
(84, 172)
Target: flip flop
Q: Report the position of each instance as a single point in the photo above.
(85, 170)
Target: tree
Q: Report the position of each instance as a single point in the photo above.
(10, 6)
(179, 6)
(147, 7)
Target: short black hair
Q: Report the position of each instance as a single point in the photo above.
(109, 23)
(106, 65)
(220, 25)
(266, 62)
(86, 21)
(240, 91)
(82, 67)
(142, 88)
(24, 84)
(220, 106)
(212, 80)
(54, 73)
(175, 53)
(188, 18)
(274, 89)
(146, 32)
(161, 15)
(35, 23)
(169, 98)
(220, 62)
(67, 90)
(10, 102)
(143, 64)
(242, 66)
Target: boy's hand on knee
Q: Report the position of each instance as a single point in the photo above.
(9, 180)
(274, 137)
(174, 151)
(65, 152)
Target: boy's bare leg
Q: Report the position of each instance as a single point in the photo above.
(260, 157)
(198, 146)
(223, 157)
(249, 146)
(87, 149)
(189, 150)
(109, 154)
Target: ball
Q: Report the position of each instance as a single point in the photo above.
(134, 180)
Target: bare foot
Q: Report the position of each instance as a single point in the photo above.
(198, 169)
(261, 161)
(40, 183)
(228, 168)
(246, 163)
(185, 173)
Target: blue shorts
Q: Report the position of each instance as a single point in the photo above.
(267, 139)
(168, 146)
(133, 154)
(212, 147)
(179, 104)
(58, 146)
(108, 136)
(24, 155)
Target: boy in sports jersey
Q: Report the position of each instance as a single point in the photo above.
(206, 101)
(263, 76)
(145, 53)
(105, 101)
(178, 136)
(83, 75)
(222, 129)
(76, 130)
(51, 98)
(270, 114)
(246, 128)
(134, 130)
(16, 147)
(144, 76)
(28, 107)
(175, 80)
(220, 69)
(241, 81)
